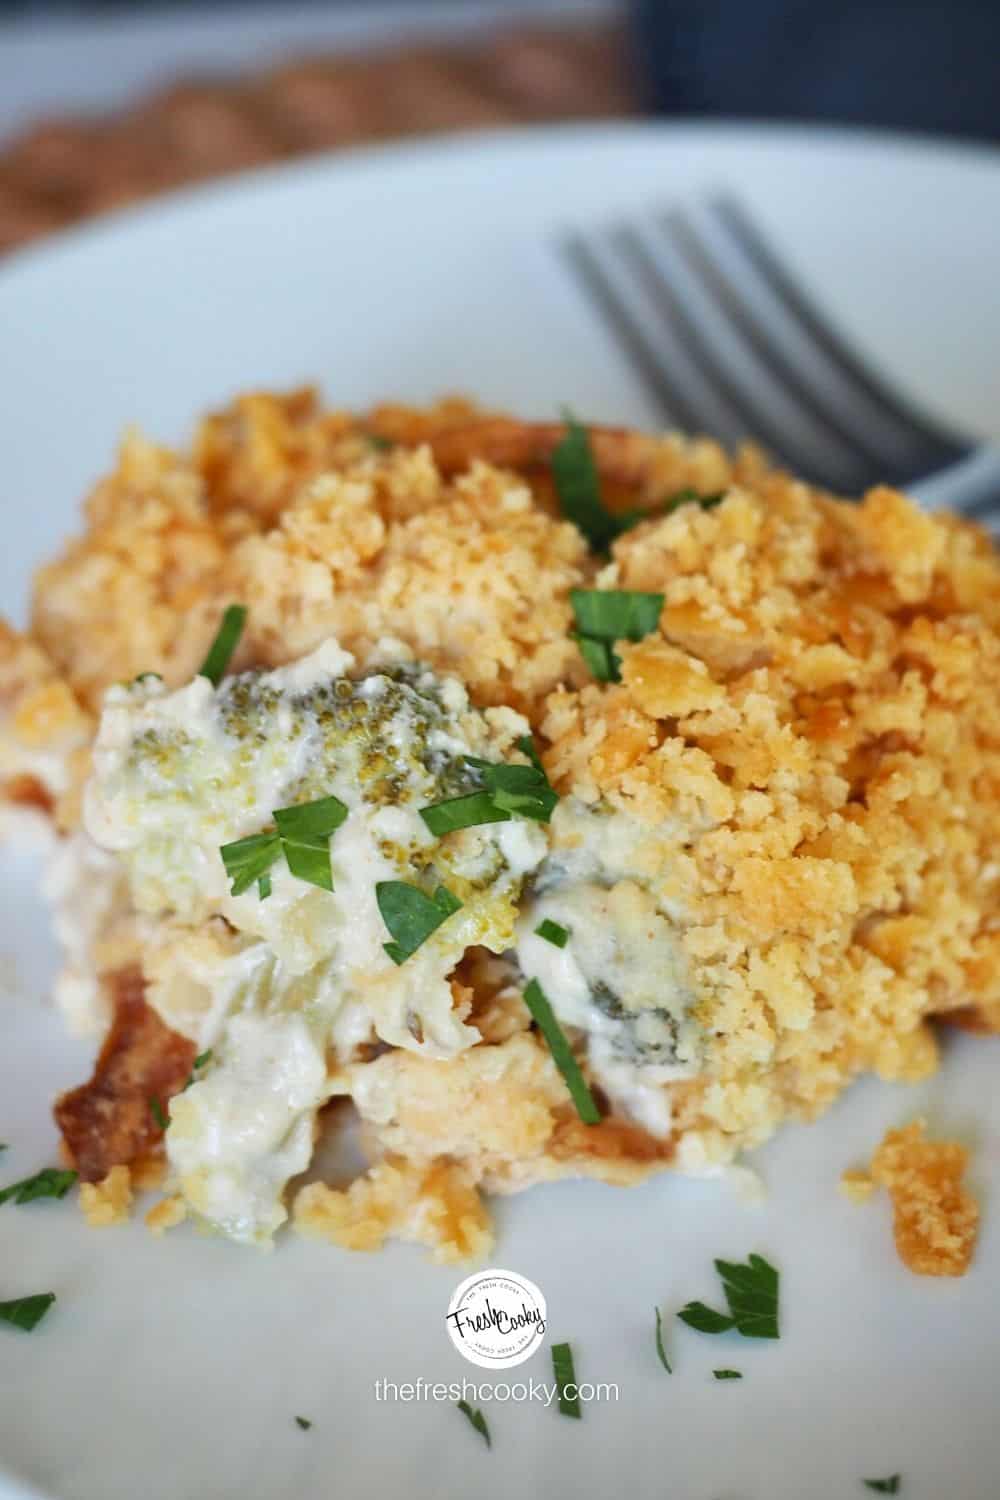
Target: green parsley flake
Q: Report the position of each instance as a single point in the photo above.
(562, 1369)
(462, 812)
(304, 1423)
(524, 790)
(221, 650)
(887, 1486)
(200, 1061)
(50, 1182)
(661, 1352)
(604, 616)
(302, 834)
(601, 660)
(705, 1319)
(562, 1055)
(688, 496)
(552, 933)
(578, 486)
(752, 1293)
(477, 1419)
(411, 915)
(728, 1374)
(26, 1312)
(248, 860)
(616, 614)
(159, 1114)
(305, 838)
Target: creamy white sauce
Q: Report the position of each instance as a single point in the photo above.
(238, 1135)
(303, 972)
(87, 892)
(621, 977)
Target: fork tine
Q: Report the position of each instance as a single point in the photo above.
(834, 467)
(753, 328)
(667, 395)
(927, 446)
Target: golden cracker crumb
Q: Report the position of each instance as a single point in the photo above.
(856, 1185)
(434, 1204)
(166, 1214)
(148, 1172)
(107, 1202)
(935, 1219)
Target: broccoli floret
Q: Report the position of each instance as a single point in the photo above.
(642, 1037)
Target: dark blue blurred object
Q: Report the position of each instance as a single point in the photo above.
(906, 64)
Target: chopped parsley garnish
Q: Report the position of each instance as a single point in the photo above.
(304, 1423)
(562, 1369)
(305, 832)
(379, 442)
(705, 1319)
(524, 790)
(601, 660)
(26, 1312)
(616, 614)
(477, 1419)
(887, 1486)
(157, 1111)
(462, 812)
(521, 789)
(604, 616)
(508, 790)
(752, 1293)
(197, 1065)
(661, 1352)
(728, 1374)
(226, 640)
(248, 860)
(302, 834)
(543, 1015)
(578, 486)
(552, 933)
(50, 1182)
(411, 915)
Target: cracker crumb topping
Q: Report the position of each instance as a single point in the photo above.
(935, 1218)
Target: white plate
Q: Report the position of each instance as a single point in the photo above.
(174, 1368)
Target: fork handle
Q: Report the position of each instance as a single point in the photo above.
(972, 485)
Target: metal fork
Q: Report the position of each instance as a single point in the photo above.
(726, 340)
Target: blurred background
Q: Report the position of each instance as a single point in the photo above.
(102, 104)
